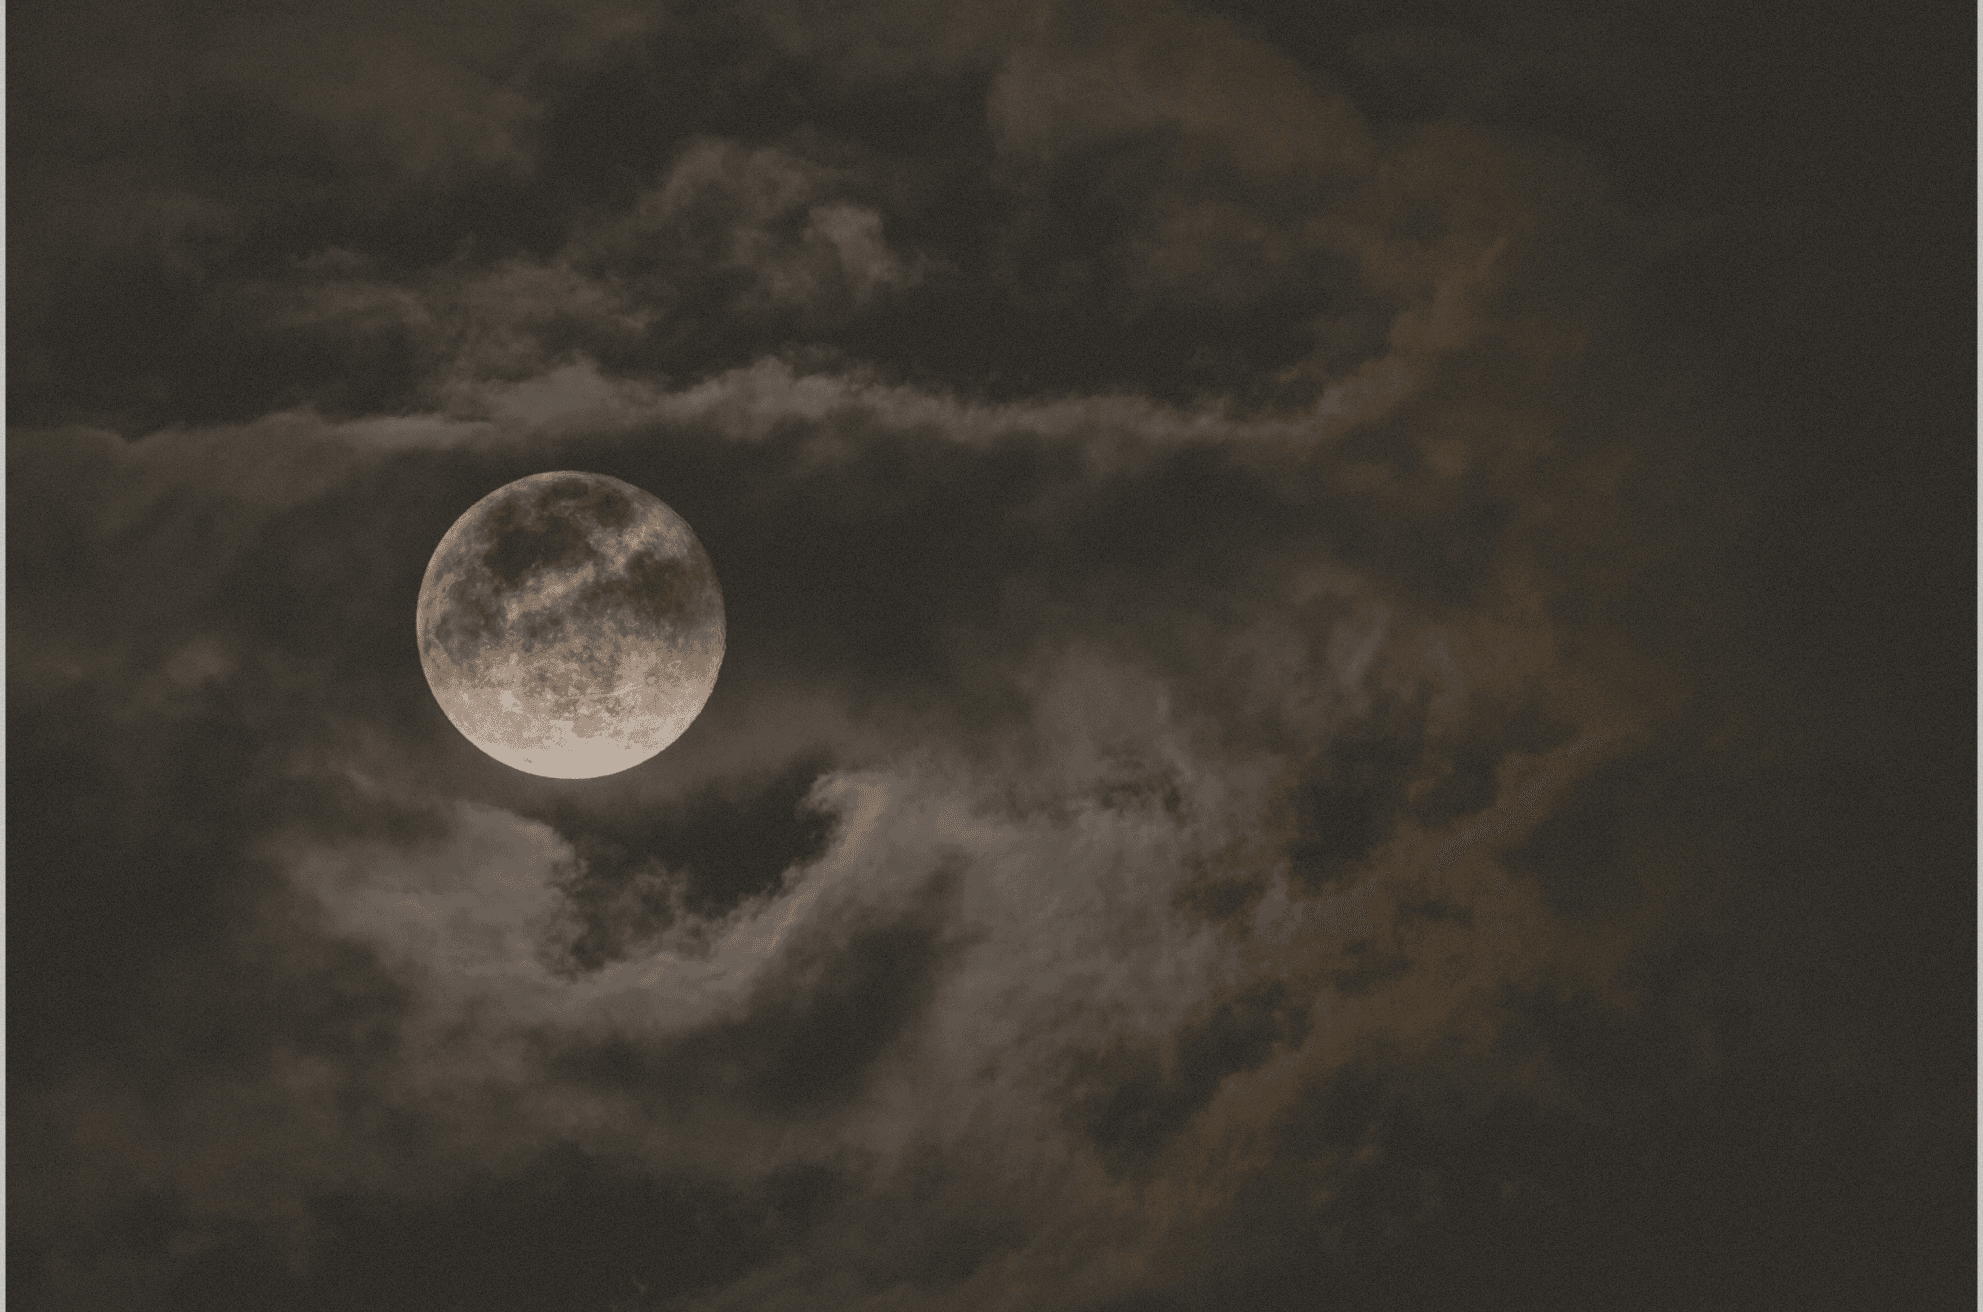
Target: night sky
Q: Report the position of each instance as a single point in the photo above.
(1350, 672)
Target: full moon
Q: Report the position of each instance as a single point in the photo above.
(570, 625)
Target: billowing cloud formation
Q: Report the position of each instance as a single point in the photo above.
(1266, 754)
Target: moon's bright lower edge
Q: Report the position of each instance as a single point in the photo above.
(570, 625)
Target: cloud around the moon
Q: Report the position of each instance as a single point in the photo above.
(1310, 706)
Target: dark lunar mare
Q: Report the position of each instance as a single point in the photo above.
(669, 594)
(548, 533)
(558, 526)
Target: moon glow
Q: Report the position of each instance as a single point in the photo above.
(570, 625)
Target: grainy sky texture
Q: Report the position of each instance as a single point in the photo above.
(1350, 675)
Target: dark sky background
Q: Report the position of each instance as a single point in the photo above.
(1350, 680)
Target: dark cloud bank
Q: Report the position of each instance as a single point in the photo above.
(1349, 678)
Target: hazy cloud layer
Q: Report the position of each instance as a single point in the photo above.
(1296, 730)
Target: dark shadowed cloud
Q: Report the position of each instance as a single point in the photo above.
(1348, 673)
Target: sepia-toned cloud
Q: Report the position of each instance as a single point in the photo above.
(1300, 721)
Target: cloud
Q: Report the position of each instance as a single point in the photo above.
(1315, 267)
(764, 215)
(1249, 760)
(1169, 801)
